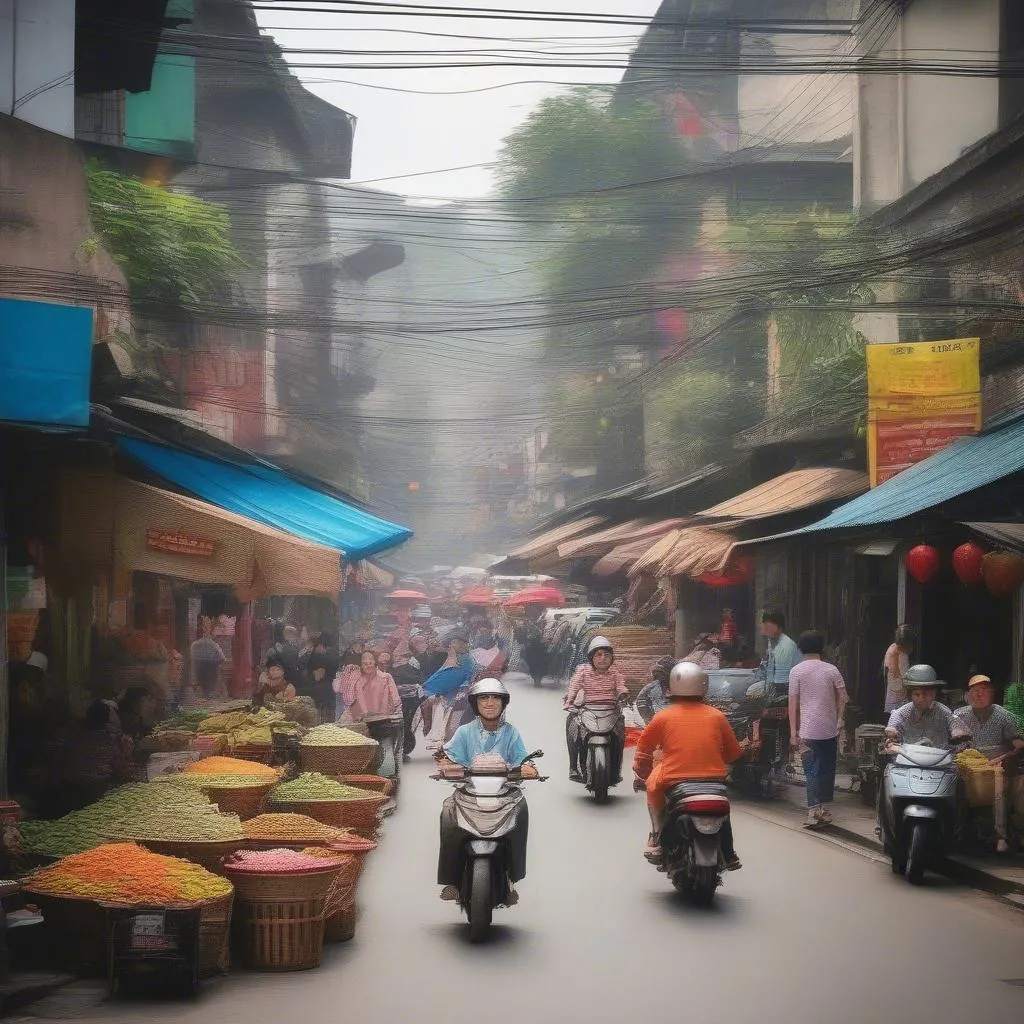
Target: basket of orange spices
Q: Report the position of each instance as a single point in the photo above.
(71, 891)
(235, 785)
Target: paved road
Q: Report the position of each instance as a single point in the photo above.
(805, 932)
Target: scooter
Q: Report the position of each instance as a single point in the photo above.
(389, 732)
(603, 731)
(917, 809)
(690, 839)
(488, 807)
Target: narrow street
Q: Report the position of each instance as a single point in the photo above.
(806, 931)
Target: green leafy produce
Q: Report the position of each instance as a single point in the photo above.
(144, 810)
(313, 786)
(330, 735)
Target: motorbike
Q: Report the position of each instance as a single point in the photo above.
(488, 806)
(917, 810)
(756, 714)
(389, 732)
(690, 839)
(603, 735)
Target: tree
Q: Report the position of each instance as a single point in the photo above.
(174, 249)
(610, 187)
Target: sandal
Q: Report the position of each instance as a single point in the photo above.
(653, 852)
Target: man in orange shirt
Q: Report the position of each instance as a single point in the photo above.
(697, 745)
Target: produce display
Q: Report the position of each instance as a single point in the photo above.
(231, 766)
(242, 728)
(145, 810)
(970, 759)
(312, 786)
(292, 828)
(126, 873)
(331, 735)
(281, 861)
(185, 721)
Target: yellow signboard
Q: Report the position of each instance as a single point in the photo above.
(922, 396)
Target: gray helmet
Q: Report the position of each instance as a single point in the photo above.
(488, 688)
(921, 675)
(599, 643)
(687, 680)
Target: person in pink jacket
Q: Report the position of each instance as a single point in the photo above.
(597, 682)
(365, 690)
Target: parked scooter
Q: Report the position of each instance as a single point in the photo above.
(690, 839)
(603, 728)
(488, 807)
(389, 732)
(917, 809)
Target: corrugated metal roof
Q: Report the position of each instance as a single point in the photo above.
(550, 539)
(965, 466)
(1009, 534)
(603, 540)
(790, 492)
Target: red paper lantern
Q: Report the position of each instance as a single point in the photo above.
(1003, 572)
(923, 562)
(740, 570)
(967, 563)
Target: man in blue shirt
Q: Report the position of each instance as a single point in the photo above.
(781, 652)
(487, 736)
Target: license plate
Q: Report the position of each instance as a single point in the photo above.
(148, 932)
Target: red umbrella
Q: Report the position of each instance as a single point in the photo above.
(407, 595)
(477, 595)
(548, 596)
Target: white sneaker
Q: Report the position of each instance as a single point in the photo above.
(813, 817)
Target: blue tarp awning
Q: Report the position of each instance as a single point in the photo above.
(965, 466)
(269, 496)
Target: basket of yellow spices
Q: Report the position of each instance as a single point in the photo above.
(328, 801)
(71, 894)
(282, 906)
(334, 750)
(291, 831)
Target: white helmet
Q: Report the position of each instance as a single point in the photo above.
(599, 643)
(488, 688)
(687, 680)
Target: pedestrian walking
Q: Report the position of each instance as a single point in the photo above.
(895, 665)
(817, 701)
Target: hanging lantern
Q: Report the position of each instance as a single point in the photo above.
(740, 570)
(923, 562)
(1003, 572)
(967, 563)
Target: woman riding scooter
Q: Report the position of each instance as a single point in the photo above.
(597, 683)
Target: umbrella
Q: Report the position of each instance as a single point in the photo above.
(548, 596)
(407, 595)
(477, 595)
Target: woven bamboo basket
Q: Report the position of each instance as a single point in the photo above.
(284, 886)
(350, 759)
(339, 909)
(359, 847)
(245, 801)
(77, 932)
(341, 925)
(373, 783)
(206, 853)
(358, 814)
(283, 935)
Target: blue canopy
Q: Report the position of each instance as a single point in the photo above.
(268, 495)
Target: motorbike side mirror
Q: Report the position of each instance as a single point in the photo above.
(535, 754)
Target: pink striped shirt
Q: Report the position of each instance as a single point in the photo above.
(596, 687)
(815, 688)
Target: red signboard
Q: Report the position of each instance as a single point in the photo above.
(179, 543)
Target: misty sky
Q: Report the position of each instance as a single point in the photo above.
(410, 132)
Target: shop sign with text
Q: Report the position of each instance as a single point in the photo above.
(179, 543)
(922, 396)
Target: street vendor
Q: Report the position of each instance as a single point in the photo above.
(994, 733)
(273, 684)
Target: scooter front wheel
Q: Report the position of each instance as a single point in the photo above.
(917, 853)
(479, 906)
(599, 774)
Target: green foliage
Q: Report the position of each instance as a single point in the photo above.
(174, 249)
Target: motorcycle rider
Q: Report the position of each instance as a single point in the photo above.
(923, 717)
(488, 733)
(697, 745)
(598, 683)
(654, 697)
